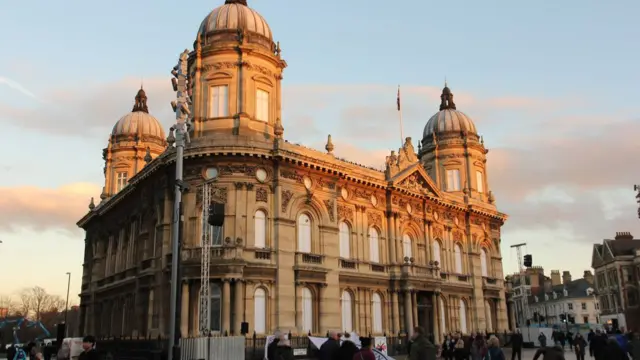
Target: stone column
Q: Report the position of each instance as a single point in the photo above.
(323, 310)
(396, 312)
(408, 312)
(184, 311)
(226, 305)
(398, 239)
(512, 316)
(414, 304)
(150, 311)
(392, 249)
(435, 305)
(238, 310)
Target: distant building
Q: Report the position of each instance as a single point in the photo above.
(572, 302)
(617, 272)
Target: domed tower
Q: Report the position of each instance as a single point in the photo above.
(453, 153)
(236, 70)
(136, 139)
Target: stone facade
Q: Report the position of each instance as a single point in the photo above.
(310, 242)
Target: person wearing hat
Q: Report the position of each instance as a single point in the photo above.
(365, 352)
(89, 349)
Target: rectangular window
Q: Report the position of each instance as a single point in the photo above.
(479, 182)
(570, 306)
(121, 181)
(219, 106)
(585, 319)
(584, 306)
(453, 180)
(262, 105)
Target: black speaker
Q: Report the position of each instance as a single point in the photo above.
(244, 328)
(216, 214)
(60, 330)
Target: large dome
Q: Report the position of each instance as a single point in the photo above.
(139, 123)
(448, 119)
(235, 15)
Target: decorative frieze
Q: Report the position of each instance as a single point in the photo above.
(287, 195)
(261, 194)
(374, 218)
(219, 66)
(248, 170)
(345, 213)
(330, 204)
(457, 236)
(437, 232)
(216, 194)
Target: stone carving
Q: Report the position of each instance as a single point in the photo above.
(259, 68)
(437, 232)
(288, 174)
(418, 207)
(249, 186)
(216, 194)
(193, 173)
(287, 195)
(494, 226)
(239, 185)
(415, 182)
(362, 194)
(374, 219)
(345, 213)
(395, 200)
(329, 204)
(237, 169)
(457, 236)
(402, 202)
(261, 194)
(406, 156)
(219, 66)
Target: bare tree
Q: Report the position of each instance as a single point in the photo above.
(36, 301)
(7, 306)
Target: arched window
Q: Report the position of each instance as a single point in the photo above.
(260, 224)
(483, 262)
(307, 310)
(436, 252)
(458, 255)
(376, 307)
(463, 317)
(406, 246)
(260, 311)
(304, 233)
(374, 250)
(345, 239)
(487, 312)
(347, 311)
(443, 322)
(215, 308)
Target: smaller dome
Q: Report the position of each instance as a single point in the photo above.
(235, 15)
(449, 120)
(139, 123)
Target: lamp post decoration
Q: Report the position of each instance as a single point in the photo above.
(178, 135)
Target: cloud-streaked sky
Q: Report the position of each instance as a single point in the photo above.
(552, 87)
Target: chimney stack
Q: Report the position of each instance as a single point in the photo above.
(547, 285)
(555, 277)
(588, 276)
(566, 277)
(624, 235)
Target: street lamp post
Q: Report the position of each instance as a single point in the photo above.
(66, 308)
(179, 134)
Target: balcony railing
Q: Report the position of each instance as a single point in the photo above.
(348, 264)
(312, 259)
(194, 255)
(491, 283)
(378, 268)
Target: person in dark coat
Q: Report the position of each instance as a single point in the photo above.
(11, 352)
(550, 353)
(599, 346)
(589, 338)
(329, 350)
(422, 348)
(580, 345)
(516, 342)
(271, 348)
(284, 350)
(89, 349)
(365, 352)
(614, 351)
(347, 349)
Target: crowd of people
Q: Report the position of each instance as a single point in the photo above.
(34, 352)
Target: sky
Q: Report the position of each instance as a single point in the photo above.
(550, 85)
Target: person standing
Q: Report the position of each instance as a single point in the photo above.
(422, 348)
(347, 349)
(329, 350)
(494, 352)
(542, 339)
(271, 348)
(550, 353)
(284, 350)
(89, 349)
(580, 345)
(599, 346)
(516, 342)
(589, 338)
(365, 352)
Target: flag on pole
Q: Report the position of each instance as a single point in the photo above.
(398, 97)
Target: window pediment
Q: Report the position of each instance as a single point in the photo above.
(262, 79)
(219, 75)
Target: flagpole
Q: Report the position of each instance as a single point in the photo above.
(400, 115)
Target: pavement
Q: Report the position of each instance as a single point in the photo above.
(527, 354)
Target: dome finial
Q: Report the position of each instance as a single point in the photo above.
(329, 147)
(240, 2)
(446, 99)
(141, 101)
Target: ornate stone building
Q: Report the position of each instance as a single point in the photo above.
(310, 242)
